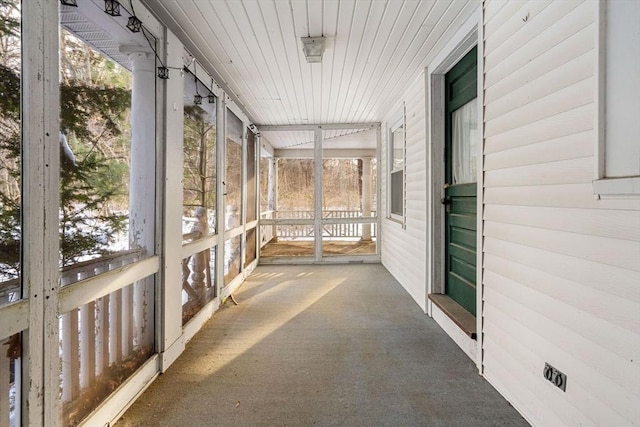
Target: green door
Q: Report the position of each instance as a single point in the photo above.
(461, 151)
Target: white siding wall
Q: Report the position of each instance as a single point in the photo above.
(404, 250)
(561, 269)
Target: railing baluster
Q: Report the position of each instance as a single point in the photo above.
(127, 321)
(87, 339)
(115, 327)
(88, 344)
(102, 334)
(102, 329)
(70, 359)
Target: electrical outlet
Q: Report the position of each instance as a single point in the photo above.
(555, 377)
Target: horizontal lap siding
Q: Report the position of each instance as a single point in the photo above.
(561, 269)
(404, 250)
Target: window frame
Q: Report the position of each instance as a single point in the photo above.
(397, 124)
(606, 186)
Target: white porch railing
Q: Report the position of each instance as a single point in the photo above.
(104, 341)
(336, 229)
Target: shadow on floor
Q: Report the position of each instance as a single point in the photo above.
(321, 345)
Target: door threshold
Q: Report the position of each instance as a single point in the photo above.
(461, 317)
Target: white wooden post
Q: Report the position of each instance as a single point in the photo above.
(170, 342)
(272, 194)
(366, 196)
(318, 192)
(40, 241)
(221, 148)
(243, 197)
(142, 200)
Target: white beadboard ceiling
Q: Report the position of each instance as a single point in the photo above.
(375, 49)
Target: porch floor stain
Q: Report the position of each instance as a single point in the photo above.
(321, 345)
(304, 248)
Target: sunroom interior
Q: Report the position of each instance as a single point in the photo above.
(145, 223)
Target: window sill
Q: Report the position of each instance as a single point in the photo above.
(397, 219)
(461, 317)
(617, 187)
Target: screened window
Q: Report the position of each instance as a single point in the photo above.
(620, 148)
(396, 170)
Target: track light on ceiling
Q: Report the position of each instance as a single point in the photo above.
(112, 7)
(73, 3)
(134, 24)
(313, 48)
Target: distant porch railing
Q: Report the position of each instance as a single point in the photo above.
(336, 229)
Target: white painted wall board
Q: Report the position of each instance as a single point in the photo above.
(564, 28)
(621, 224)
(572, 355)
(561, 195)
(616, 281)
(571, 171)
(404, 251)
(573, 47)
(566, 99)
(553, 24)
(532, 25)
(573, 329)
(524, 392)
(569, 73)
(501, 28)
(497, 12)
(567, 123)
(564, 148)
(624, 313)
(615, 252)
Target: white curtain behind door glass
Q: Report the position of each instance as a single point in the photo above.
(464, 136)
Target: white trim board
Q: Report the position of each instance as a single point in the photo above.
(463, 341)
(469, 35)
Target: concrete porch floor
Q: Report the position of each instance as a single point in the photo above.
(321, 345)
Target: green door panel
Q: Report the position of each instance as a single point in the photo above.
(461, 199)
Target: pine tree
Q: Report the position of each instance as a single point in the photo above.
(93, 113)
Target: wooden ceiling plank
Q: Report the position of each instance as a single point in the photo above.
(329, 29)
(300, 15)
(345, 13)
(359, 21)
(257, 46)
(387, 29)
(295, 58)
(370, 33)
(454, 16)
(286, 79)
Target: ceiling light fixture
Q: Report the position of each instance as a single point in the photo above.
(313, 48)
(73, 3)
